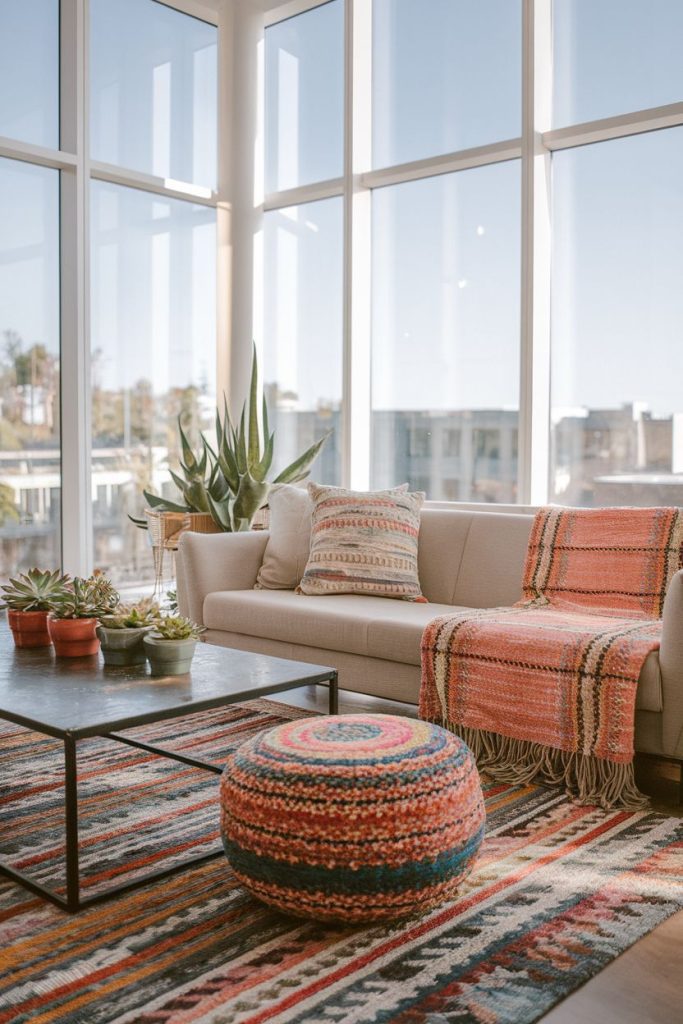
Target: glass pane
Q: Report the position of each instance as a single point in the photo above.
(30, 465)
(446, 76)
(153, 356)
(610, 58)
(445, 368)
(305, 98)
(302, 329)
(29, 71)
(617, 322)
(153, 90)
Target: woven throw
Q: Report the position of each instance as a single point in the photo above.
(364, 542)
(547, 689)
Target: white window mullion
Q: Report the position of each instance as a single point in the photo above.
(534, 411)
(77, 539)
(357, 246)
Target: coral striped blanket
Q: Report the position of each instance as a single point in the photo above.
(547, 689)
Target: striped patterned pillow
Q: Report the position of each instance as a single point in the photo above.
(364, 542)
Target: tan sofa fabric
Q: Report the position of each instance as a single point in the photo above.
(388, 679)
(216, 561)
(440, 548)
(492, 564)
(369, 627)
(353, 623)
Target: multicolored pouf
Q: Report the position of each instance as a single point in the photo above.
(352, 817)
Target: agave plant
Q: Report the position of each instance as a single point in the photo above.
(35, 590)
(230, 483)
(90, 598)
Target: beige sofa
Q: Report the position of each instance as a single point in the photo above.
(466, 560)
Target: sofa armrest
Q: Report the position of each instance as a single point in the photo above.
(671, 667)
(207, 562)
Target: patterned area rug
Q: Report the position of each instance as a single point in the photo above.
(559, 891)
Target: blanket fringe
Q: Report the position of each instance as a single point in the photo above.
(588, 780)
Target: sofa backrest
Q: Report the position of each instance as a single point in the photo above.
(473, 559)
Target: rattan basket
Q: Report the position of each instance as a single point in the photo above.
(165, 528)
(201, 522)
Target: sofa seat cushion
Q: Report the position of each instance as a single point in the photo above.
(352, 623)
(355, 624)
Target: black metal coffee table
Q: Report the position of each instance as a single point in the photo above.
(75, 698)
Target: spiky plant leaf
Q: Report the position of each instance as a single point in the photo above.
(264, 465)
(221, 513)
(299, 469)
(254, 449)
(251, 496)
(163, 504)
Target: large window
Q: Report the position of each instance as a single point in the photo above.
(614, 57)
(30, 477)
(153, 90)
(446, 334)
(153, 264)
(305, 98)
(617, 357)
(153, 356)
(29, 71)
(103, 345)
(512, 208)
(303, 331)
(446, 75)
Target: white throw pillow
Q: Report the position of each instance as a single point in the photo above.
(289, 544)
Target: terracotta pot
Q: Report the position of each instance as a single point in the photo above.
(73, 638)
(29, 628)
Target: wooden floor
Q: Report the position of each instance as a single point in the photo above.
(642, 986)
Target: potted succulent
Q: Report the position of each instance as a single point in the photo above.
(28, 599)
(170, 646)
(72, 622)
(122, 631)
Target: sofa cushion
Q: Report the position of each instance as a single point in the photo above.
(289, 541)
(347, 623)
(363, 542)
(356, 624)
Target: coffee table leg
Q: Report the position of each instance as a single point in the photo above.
(334, 695)
(71, 817)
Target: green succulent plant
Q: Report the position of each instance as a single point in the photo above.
(91, 598)
(230, 483)
(142, 615)
(176, 627)
(35, 590)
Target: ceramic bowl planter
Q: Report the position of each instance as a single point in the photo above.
(169, 657)
(73, 638)
(123, 646)
(29, 629)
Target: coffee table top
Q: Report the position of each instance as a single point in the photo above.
(81, 697)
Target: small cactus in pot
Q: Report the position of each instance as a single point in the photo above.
(28, 599)
(74, 616)
(122, 631)
(170, 645)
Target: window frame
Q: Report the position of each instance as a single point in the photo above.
(534, 148)
(77, 170)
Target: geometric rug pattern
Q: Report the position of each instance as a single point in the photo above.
(557, 893)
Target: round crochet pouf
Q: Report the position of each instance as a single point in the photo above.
(352, 817)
